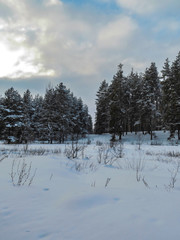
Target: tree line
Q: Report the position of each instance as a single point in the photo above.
(56, 117)
(140, 102)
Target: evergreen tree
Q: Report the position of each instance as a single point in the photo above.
(12, 113)
(74, 126)
(28, 112)
(89, 124)
(102, 109)
(171, 97)
(49, 116)
(151, 98)
(116, 105)
(37, 118)
(135, 101)
(79, 114)
(2, 126)
(86, 121)
(63, 106)
(166, 93)
(166, 72)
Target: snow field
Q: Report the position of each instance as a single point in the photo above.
(72, 199)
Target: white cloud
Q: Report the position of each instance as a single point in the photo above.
(8, 59)
(58, 41)
(148, 6)
(168, 25)
(53, 2)
(116, 33)
(138, 6)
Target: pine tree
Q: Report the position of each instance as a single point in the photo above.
(28, 112)
(102, 109)
(151, 98)
(74, 118)
(63, 106)
(174, 106)
(2, 126)
(166, 72)
(166, 93)
(49, 116)
(79, 114)
(116, 105)
(171, 96)
(86, 121)
(89, 124)
(12, 116)
(37, 118)
(135, 101)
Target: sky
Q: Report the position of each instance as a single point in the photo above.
(81, 42)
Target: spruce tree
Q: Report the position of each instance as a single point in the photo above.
(166, 94)
(172, 116)
(63, 113)
(49, 116)
(151, 98)
(12, 113)
(135, 101)
(38, 119)
(2, 126)
(116, 105)
(102, 109)
(28, 112)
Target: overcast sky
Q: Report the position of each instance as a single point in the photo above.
(81, 42)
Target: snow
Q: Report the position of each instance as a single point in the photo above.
(68, 199)
(14, 116)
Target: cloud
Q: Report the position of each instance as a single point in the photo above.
(138, 6)
(168, 25)
(55, 40)
(51, 39)
(116, 33)
(144, 7)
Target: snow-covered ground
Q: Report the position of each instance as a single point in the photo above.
(127, 192)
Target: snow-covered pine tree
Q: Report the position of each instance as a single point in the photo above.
(1, 118)
(135, 101)
(28, 112)
(12, 112)
(151, 97)
(37, 118)
(173, 108)
(166, 94)
(63, 114)
(79, 114)
(75, 130)
(89, 124)
(126, 104)
(166, 72)
(86, 121)
(49, 116)
(102, 109)
(116, 104)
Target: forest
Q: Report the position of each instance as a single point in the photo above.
(140, 102)
(56, 117)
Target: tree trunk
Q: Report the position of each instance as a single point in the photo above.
(120, 136)
(151, 135)
(178, 133)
